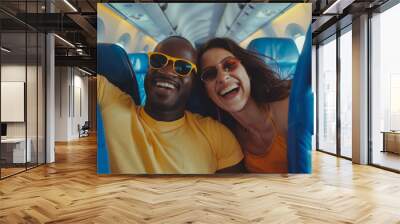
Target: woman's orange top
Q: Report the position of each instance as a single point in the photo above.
(273, 161)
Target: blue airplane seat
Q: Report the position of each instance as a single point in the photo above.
(280, 54)
(102, 152)
(140, 64)
(113, 63)
(199, 102)
(301, 113)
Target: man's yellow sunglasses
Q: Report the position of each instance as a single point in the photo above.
(181, 66)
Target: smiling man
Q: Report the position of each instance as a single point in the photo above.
(163, 138)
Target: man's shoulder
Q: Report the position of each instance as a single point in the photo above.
(204, 121)
(113, 92)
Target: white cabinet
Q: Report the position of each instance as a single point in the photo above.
(16, 147)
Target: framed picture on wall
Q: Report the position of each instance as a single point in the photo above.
(204, 88)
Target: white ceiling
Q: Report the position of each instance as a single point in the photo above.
(199, 22)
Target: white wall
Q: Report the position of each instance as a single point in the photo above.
(71, 87)
(13, 72)
(16, 73)
(79, 117)
(61, 103)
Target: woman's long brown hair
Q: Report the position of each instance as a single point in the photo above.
(265, 84)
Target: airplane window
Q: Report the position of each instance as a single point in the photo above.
(296, 32)
(124, 40)
(146, 48)
(299, 41)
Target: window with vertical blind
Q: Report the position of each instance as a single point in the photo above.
(346, 92)
(327, 96)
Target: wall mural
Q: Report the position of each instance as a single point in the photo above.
(211, 88)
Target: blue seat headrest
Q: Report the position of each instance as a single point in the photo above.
(301, 111)
(114, 64)
(140, 62)
(199, 102)
(281, 54)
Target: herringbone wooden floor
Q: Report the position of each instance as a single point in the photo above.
(70, 191)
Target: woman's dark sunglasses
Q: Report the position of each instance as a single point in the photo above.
(181, 66)
(228, 64)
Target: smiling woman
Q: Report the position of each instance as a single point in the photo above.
(241, 84)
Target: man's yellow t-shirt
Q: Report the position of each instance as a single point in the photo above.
(138, 144)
